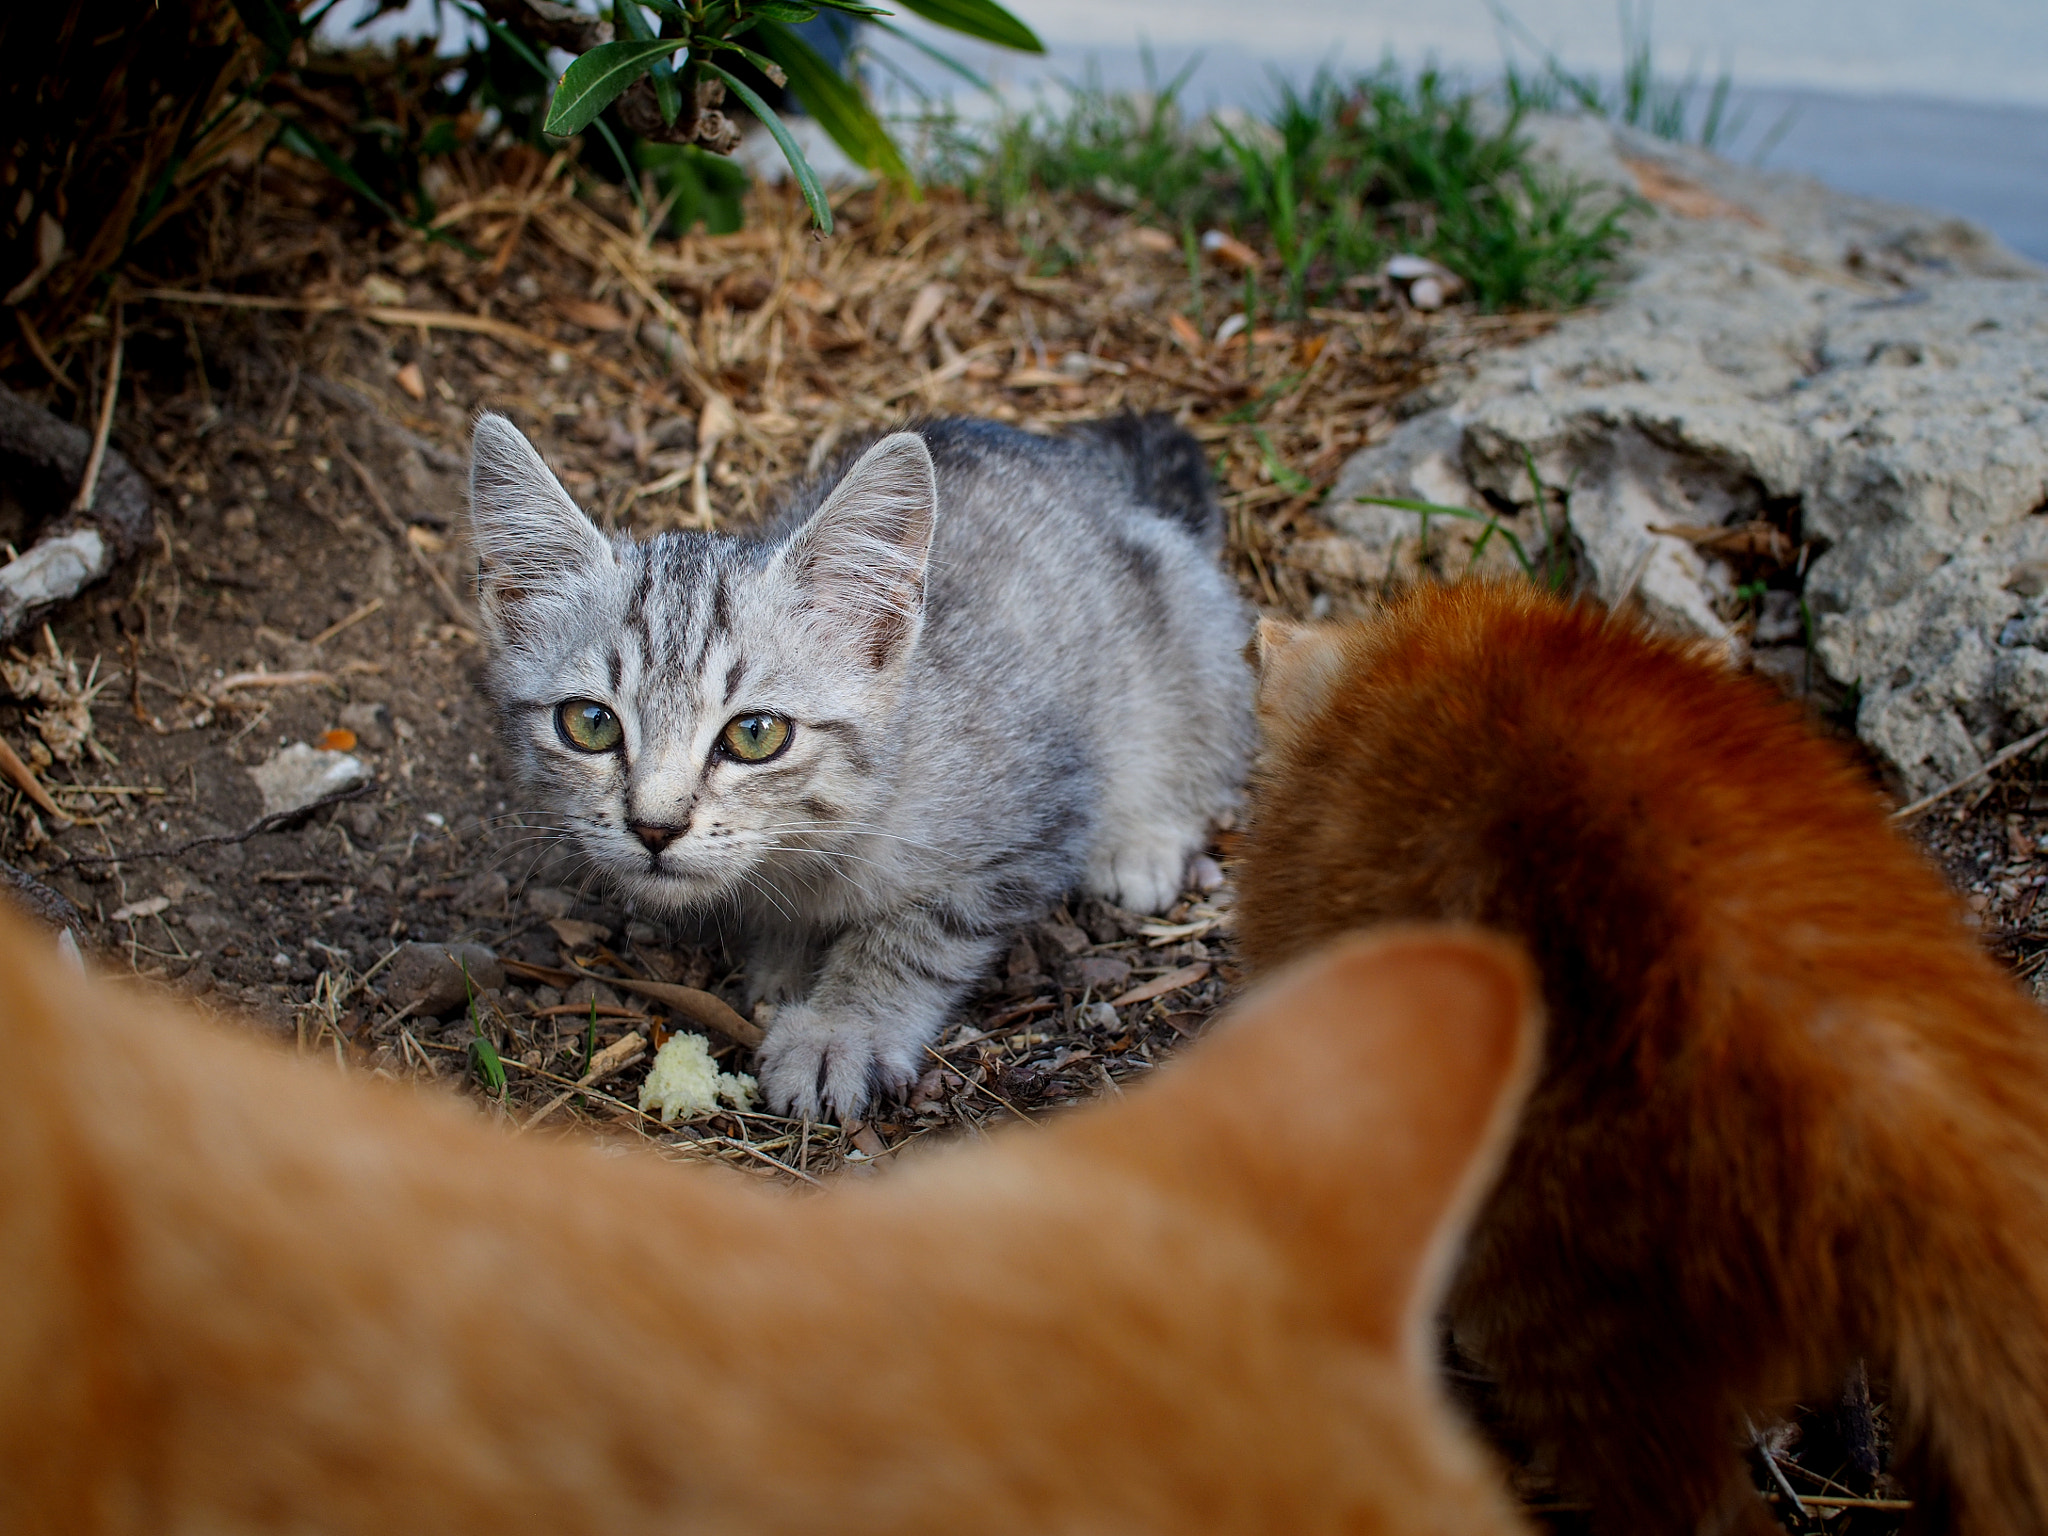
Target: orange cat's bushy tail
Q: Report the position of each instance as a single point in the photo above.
(1789, 1114)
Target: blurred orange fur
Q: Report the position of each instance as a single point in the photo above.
(246, 1294)
(1789, 1113)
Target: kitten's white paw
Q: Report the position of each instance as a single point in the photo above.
(818, 1067)
(1142, 878)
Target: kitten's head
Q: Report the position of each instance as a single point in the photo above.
(693, 705)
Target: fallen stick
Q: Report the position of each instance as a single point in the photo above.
(89, 483)
(256, 828)
(1997, 759)
(616, 1057)
(699, 1007)
(46, 463)
(24, 779)
(235, 680)
(1159, 986)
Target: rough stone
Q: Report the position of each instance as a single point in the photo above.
(546, 901)
(484, 895)
(587, 991)
(296, 776)
(1104, 973)
(371, 722)
(1064, 938)
(1875, 375)
(437, 979)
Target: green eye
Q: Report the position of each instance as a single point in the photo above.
(755, 738)
(588, 726)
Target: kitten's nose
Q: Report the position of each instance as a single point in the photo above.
(655, 835)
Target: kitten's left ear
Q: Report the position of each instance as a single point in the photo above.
(528, 533)
(861, 557)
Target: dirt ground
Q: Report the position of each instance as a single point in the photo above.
(299, 396)
(300, 400)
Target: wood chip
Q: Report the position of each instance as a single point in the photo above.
(577, 934)
(616, 1057)
(1159, 986)
(924, 309)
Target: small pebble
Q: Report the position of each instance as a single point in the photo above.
(430, 978)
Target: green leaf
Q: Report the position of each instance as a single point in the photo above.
(834, 101)
(852, 8)
(667, 8)
(977, 18)
(938, 54)
(594, 81)
(784, 10)
(799, 167)
(632, 25)
(666, 94)
(776, 74)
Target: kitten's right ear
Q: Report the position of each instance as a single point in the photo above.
(860, 560)
(528, 533)
(1299, 667)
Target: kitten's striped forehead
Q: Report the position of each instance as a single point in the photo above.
(681, 652)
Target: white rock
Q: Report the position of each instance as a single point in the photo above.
(1884, 369)
(298, 775)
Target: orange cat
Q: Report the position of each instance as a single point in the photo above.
(1789, 1114)
(243, 1294)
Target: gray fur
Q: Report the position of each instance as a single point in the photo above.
(1014, 668)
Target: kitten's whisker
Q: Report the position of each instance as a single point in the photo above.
(769, 892)
(859, 829)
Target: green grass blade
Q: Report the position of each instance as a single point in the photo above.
(1551, 575)
(834, 101)
(626, 170)
(1428, 509)
(938, 55)
(596, 80)
(806, 178)
(508, 37)
(300, 142)
(977, 18)
(484, 1059)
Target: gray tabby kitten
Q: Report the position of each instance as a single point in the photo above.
(972, 672)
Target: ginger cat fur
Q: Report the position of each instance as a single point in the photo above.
(246, 1294)
(1789, 1113)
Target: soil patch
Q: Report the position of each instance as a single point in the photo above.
(300, 402)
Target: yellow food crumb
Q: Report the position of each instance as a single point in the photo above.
(685, 1082)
